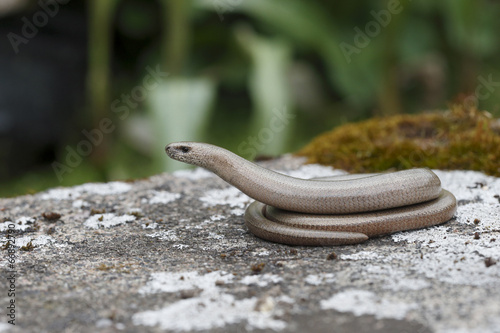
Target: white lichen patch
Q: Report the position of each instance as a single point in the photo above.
(217, 217)
(73, 193)
(105, 188)
(205, 313)
(165, 235)
(153, 225)
(394, 279)
(470, 185)
(378, 269)
(20, 224)
(454, 258)
(36, 241)
(285, 299)
(261, 280)
(261, 252)
(318, 279)
(211, 309)
(446, 256)
(163, 197)
(180, 246)
(198, 173)
(237, 211)
(361, 255)
(225, 244)
(229, 196)
(174, 282)
(363, 302)
(80, 203)
(107, 220)
(213, 235)
(213, 219)
(485, 217)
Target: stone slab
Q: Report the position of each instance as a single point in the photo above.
(171, 253)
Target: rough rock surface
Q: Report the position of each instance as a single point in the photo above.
(171, 253)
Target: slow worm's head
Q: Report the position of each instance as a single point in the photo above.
(188, 152)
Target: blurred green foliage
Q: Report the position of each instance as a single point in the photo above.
(326, 62)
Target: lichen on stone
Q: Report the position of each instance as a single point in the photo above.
(460, 138)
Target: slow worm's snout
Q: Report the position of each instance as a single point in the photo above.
(178, 150)
(171, 151)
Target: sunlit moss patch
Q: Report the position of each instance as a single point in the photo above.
(460, 138)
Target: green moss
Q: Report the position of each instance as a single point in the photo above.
(460, 138)
(28, 247)
(104, 267)
(122, 268)
(7, 245)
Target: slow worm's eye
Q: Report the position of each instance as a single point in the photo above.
(184, 149)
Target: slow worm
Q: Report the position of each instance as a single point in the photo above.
(327, 211)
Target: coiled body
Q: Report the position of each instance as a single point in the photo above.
(328, 211)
